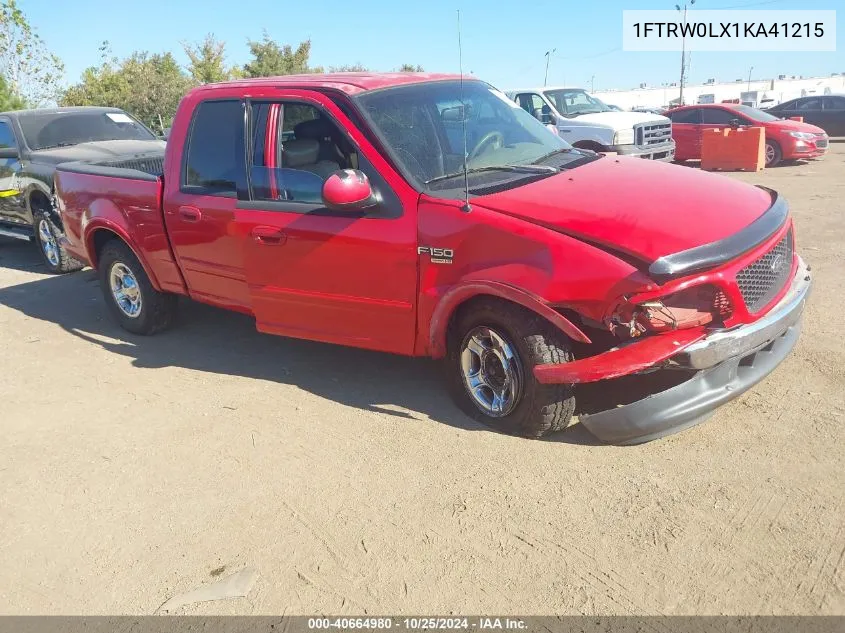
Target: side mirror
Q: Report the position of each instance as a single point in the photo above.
(348, 190)
(9, 152)
(735, 123)
(546, 116)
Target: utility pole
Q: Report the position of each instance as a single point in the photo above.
(749, 78)
(593, 83)
(683, 48)
(548, 56)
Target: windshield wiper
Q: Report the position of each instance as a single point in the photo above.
(562, 150)
(57, 145)
(526, 169)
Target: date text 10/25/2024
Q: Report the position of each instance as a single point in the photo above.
(418, 623)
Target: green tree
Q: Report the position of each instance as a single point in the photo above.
(8, 99)
(349, 68)
(147, 86)
(207, 60)
(410, 68)
(269, 59)
(30, 70)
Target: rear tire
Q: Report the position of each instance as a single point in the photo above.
(47, 237)
(524, 340)
(774, 154)
(136, 305)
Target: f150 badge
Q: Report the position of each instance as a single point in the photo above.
(438, 255)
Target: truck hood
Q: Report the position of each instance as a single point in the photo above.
(96, 150)
(642, 208)
(618, 120)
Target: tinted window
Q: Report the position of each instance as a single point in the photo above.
(685, 116)
(7, 139)
(810, 104)
(61, 129)
(834, 103)
(718, 116)
(215, 154)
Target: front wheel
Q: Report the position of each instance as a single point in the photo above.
(137, 306)
(774, 154)
(492, 350)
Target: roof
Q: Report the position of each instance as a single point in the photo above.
(350, 83)
(46, 111)
(541, 89)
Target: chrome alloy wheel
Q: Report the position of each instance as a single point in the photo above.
(48, 242)
(125, 290)
(770, 153)
(491, 371)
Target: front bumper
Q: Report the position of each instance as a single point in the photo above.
(664, 152)
(728, 362)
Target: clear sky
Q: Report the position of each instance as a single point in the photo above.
(504, 41)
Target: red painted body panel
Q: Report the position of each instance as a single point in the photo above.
(688, 136)
(371, 282)
(620, 362)
(652, 209)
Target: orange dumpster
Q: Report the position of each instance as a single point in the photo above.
(733, 149)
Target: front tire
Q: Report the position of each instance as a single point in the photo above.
(493, 348)
(47, 238)
(136, 305)
(774, 154)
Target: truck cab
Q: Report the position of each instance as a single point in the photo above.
(588, 123)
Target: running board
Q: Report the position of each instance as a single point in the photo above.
(16, 233)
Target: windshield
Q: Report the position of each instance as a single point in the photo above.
(61, 129)
(755, 114)
(423, 126)
(572, 102)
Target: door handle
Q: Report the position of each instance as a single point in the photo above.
(268, 235)
(190, 214)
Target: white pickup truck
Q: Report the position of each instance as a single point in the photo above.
(586, 122)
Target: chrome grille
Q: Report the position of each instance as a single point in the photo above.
(761, 280)
(647, 134)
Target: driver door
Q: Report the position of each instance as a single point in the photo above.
(338, 277)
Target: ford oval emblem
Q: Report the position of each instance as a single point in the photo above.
(777, 263)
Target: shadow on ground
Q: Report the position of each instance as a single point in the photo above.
(218, 341)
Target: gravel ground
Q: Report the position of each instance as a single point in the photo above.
(134, 469)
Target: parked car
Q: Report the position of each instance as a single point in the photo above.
(826, 112)
(527, 265)
(588, 123)
(785, 140)
(32, 143)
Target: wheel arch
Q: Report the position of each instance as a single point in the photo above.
(460, 298)
(98, 233)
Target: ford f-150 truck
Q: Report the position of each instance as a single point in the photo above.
(421, 215)
(588, 123)
(32, 143)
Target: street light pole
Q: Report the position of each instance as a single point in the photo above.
(593, 83)
(749, 78)
(683, 49)
(548, 56)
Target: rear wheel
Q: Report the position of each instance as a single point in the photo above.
(493, 348)
(774, 155)
(47, 237)
(137, 306)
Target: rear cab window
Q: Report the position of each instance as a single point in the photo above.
(213, 162)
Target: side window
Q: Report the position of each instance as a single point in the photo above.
(692, 116)
(718, 116)
(214, 161)
(810, 104)
(294, 149)
(834, 103)
(7, 137)
(530, 102)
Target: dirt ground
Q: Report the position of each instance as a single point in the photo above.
(132, 468)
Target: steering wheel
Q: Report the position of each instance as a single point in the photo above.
(493, 139)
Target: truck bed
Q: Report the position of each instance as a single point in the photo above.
(119, 197)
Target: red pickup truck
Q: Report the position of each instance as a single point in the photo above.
(423, 215)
